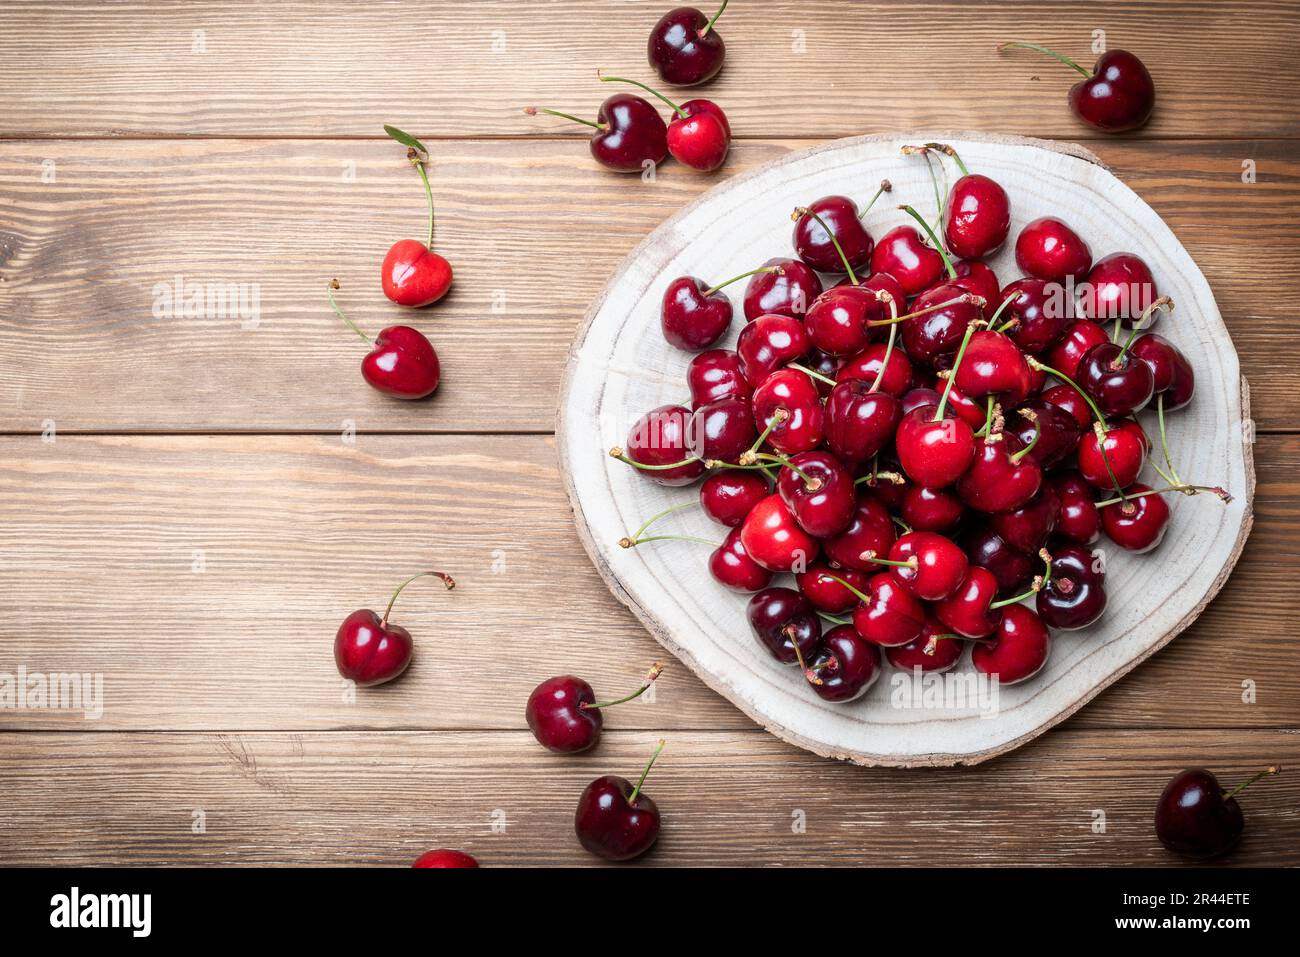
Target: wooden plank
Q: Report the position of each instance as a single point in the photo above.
(820, 68)
(533, 230)
(99, 539)
(739, 798)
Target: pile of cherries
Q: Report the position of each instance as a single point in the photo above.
(924, 449)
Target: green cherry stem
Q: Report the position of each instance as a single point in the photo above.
(747, 458)
(655, 671)
(947, 389)
(811, 372)
(947, 150)
(1040, 582)
(893, 335)
(446, 580)
(952, 271)
(533, 111)
(664, 514)
(893, 478)
(1024, 45)
(618, 453)
(870, 556)
(803, 211)
(709, 26)
(924, 153)
(997, 313)
(865, 599)
(885, 187)
(1222, 493)
(812, 484)
(1038, 430)
(414, 157)
(651, 90)
(1245, 784)
(988, 417)
(1139, 327)
(834, 619)
(628, 542)
(969, 297)
(779, 270)
(333, 285)
(1172, 478)
(649, 764)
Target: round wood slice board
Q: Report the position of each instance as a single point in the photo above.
(620, 367)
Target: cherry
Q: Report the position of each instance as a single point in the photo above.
(1138, 522)
(695, 315)
(786, 290)
(930, 509)
(1078, 520)
(885, 479)
(1012, 568)
(820, 493)
(866, 365)
(934, 449)
(615, 820)
(969, 610)
(1071, 400)
(785, 623)
(871, 530)
(968, 410)
(994, 365)
(845, 665)
(773, 538)
(1119, 286)
(826, 367)
(1057, 430)
(768, 343)
(564, 716)
(919, 398)
(717, 374)
(722, 431)
(1070, 349)
(1040, 317)
(630, 133)
(887, 614)
(820, 584)
(838, 322)
(731, 566)
(657, 447)
(401, 362)
(368, 650)
(1126, 448)
(977, 278)
(1017, 649)
(1075, 596)
(1048, 249)
(940, 317)
(903, 254)
(1002, 477)
(859, 422)
(445, 857)
(698, 136)
(934, 649)
(727, 496)
(1118, 382)
(1197, 818)
(829, 235)
(1028, 527)
(1172, 374)
(977, 212)
(1117, 95)
(789, 404)
(927, 564)
(684, 47)
(412, 273)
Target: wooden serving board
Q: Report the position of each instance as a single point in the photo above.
(620, 366)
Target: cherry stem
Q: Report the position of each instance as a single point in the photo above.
(779, 270)
(952, 271)
(857, 594)
(935, 639)
(649, 764)
(778, 416)
(907, 529)
(626, 542)
(446, 580)
(1172, 478)
(834, 619)
(998, 312)
(812, 484)
(1040, 582)
(869, 556)
(803, 211)
(893, 334)
(885, 187)
(1245, 784)
(947, 389)
(1100, 427)
(988, 416)
(798, 655)
(334, 284)
(533, 111)
(414, 157)
(709, 26)
(655, 671)
(1038, 431)
(1222, 493)
(924, 152)
(617, 453)
(947, 150)
(1042, 49)
(968, 297)
(892, 477)
(811, 372)
(651, 90)
(664, 514)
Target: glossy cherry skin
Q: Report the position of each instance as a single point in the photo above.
(633, 134)
(1028, 527)
(934, 453)
(660, 438)
(995, 481)
(1048, 249)
(731, 566)
(932, 339)
(826, 365)
(1078, 520)
(1119, 286)
(1041, 315)
(796, 394)
(1076, 595)
(690, 317)
(976, 217)
(1126, 448)
(557, 718)
(813, 244)
(859, 422)
(768, 343)
(819, 586)
(722, 431)
(930, 509)
(1119, 95)
(609, 826)
(716, 374)
(993, 365)
(1058, 431)
(967, 409)
(369, 651)
(1195, 818)
(826, 509)
(1070, 349)
(867, 363)
(838, 322)
(871, 530)
(780, 619)
(788, 293)
(893, 616)
(1119, 382)
(682, 51)
(925, 652)
(773, 538)
(845, 665)
(940, 565)
(903, 254)
(728, 495)
(1170, 370)
(444, 857)
(1018, 648)
(402, 363)
(966, 611)
(1068, 399)
(920, 398)
(1139, 524)
(702, 137)
(1011, 568)
(414, 275)
(978, 278)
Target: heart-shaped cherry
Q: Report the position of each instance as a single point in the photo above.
(412, 273)
(1048, 249)
(695, 315)
(1016, 650)
(658, 446)
(887, 614)
(1174, 380)
(934, 649)
(684, 48)
(717, 374)
(927, 564)
(829, 235)
(820, 493)
(934, 449)
(1117, 95)
(1078, 520)
(993, 365)
(845, 665)
(727, 496)
(698, 136)
(1039, 314)
(1002, 477)
(788, 290)
(1119, 286)
(820, 584)
(790, 407)
(859, 422)
(445, 857)
(872, 530)
(768, 343)
(903, 253)
(368, 650)
(839, 321)
(630, 134)
(1075, 596)
(616, 820)
(401, 362)
(564, 716)
(940, 316)
(1197, 818)
(785, 623)
(731, 566)
(773, 538)
(930, 509)
(1119, 382)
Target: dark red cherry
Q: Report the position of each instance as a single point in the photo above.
(1058, 432)
(976, 217)
(932, 337)
(920, 398)
(859, 422)
(1050, 250)
(1028, 527)
(1137, 524)
(660, 438)
(931, 509)
(934, 453)
(693, 316)
(812, 243)
(789, 398)
(1126, 449)
(890, 615)
(993, 365)
(1068, 399)
(838, 321)
(768, 343)
(824, 365)
(722, 431)
(1117, 95)
(1002, 476)
(977, 278)
(731, 566)
(1197, 818)
(563, 713)
(884, 282)
(1117, 381)
(866, 366)
(1119, 286)
(971, 411)
(630, 133)
(967, 610)
(1075, 597)
(822, 585)
(615, 819)
(1017, 649)
(903, 254)
(1174, 379)
(716, 374)
(786, 293)
(934, 649)
(933, 566)
(845, 665)
(1041, 313)
(1070, 349)
(871, 530)
(820, 493)
(727, 496)
(1078, 520)
(782, 619)
(774, 539)
(1012, 568)
(684, 48)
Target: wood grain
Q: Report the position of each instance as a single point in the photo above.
(344, 69)
(533, 229)
(97, 549)
(739, 797)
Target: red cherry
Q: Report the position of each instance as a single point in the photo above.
(787, 291)
(813, 243)
(716, 374)
(1117, 95)
(934, 453)
(1174, 380)
(1002, 476)
(977, 278)
(859, 422)
(838, 322)
(699, 135)
(872, 530)
(1078, 520)
(773, 538)
(888, 614)
(934, 649)
(1067, 398)
(1013, 569)
(1050, 250)
(1117, 381)
(616, 820)
(1126, 450)
(694, 315)
(401, 362)
(1137, 524)
(903, 254)
(768, 343)
(368, 650)
(728, 495)
(630, 134)
(1057, 431)
(1018, 647)
(866, 366)
(657, 445)
(820, 493)
(443, 857)
(968, 611)
(931, 566)
(1070, 349)
(977, 215)
(784, 623)
(563, 713)
(845, 665)
(931, 509)
(1119, 286)
(821, 585)
(993, 365)
(722, 431)
(414, 275)
(1075, 595)
(731, 566)
(1028, 527)
(684, 47)
(1039, 312)
(789, 401)
(938, 321)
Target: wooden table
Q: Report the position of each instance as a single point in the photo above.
(192, 503)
